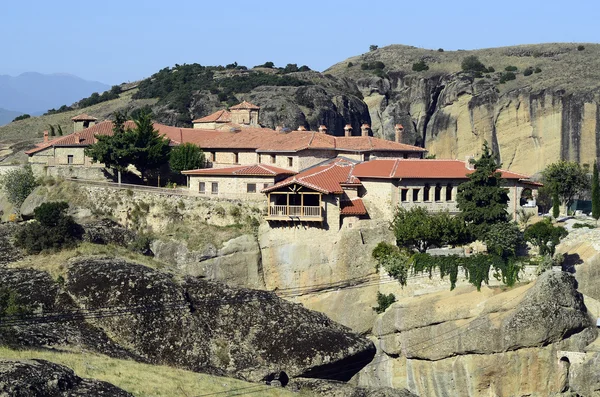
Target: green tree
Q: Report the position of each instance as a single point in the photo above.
(567, 179)
(18, 184)
(472, 64)
(373, 47)
(420, 66)
(545, 236)
(482, 199)
(186, 157)
(555, 204)
(504, 239)
(21, 117)
(595, 192)
(383, 302)
(53, 229)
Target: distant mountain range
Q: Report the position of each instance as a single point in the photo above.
(35, 93)
(6, 116)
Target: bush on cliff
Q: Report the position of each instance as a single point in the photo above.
(18, 184)
(52, 229)
(473, 64)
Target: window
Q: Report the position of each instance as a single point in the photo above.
(201, 187)
(236, 158)
(290, 161)
(215, 188)
(273, 158)
(251, 188)
(438, 192)
(266, 185)
(70, 159)
(213, 156)
(404, 195)
(367, 156)
(426, 193)
(405, 156)
(415, 192)
(449, 192)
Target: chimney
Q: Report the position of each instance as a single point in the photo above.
(322, 129)
(301, 128)
(364, 129)
(77, 137)
(45, 136)
(348, 130)
(468, 163)
(399, 132)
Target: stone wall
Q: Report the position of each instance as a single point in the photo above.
(231, 186)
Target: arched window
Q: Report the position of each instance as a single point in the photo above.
(438, 192)
(426, 192)
(449, 188)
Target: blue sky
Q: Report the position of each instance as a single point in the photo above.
(116, 41)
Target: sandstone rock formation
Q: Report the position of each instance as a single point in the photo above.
(330, 388)
(469, 343)
(194, 324)
(35, 378)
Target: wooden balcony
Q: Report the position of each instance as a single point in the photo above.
(295, 213)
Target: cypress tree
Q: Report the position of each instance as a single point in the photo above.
(595, 193)
(555, 204)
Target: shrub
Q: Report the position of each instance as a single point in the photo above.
(21, 117)
(290, 68)
(383, 302)
(511, 68)
(373, 47)
(364, 66)
(52, 230)
(268, 65)
(10, 305)
(18, 184)
(235, 211)
(472, 64)
(507, 77)
(537, 70)
(582, 225)
(545, 236)
(491, 70)
(420, 66)
(141, 244)
(580, 48)
(350, 64)
(503, 239)
(440, 50)
(528, 72)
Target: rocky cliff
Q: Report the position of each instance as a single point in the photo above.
(530, 121)
(469, 343)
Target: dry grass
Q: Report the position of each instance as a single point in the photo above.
(199, 236)
(20, 135)
(144, 379)
(563, 66)
(56, 263)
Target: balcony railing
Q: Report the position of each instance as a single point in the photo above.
(295, 212)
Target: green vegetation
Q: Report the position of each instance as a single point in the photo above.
(504, 239)
(555, 204)
(143, 147)
(268, 65)
(175, 86)
(583, 225)
(566, 179)
(144, 380)
(54, 131)
(373, 47)
(419, 229)
(537, 70)
(10, 305)
(377, 65)
(483, 200)
(508, 76)
(472, 64)
(580, 48)
(186, 157)
(383, 302)
(93, 99)
(545, 236)
(528, 71)
(420, 66)
(21, 117)
(511, 68)
(18, 184)
(595, 192)
(52, 229)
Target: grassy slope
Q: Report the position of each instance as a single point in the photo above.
(563, 66)
(144, 379)
(22, 134)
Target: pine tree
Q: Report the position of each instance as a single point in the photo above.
(595, 193)
(483, 200)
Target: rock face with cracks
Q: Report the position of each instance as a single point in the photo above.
(194, 324)
(35, 378)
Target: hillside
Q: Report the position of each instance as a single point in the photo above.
(6, 116)
(531, 120)
(545, 113)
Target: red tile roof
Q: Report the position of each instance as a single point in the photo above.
(244, 105)
(354, 206)
(84, 117)
(420, 168)
(220, 116)
(327, 178)
(255, 169)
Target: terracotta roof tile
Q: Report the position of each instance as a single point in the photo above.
(327, 178)
(84, 117)
(353, 207)
(420, 168)
(244, 105)
(220, 116)
(255, 169)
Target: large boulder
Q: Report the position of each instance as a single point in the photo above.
(35, 378)
(192, 323)
(466, 343)
(36, 198)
